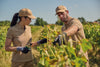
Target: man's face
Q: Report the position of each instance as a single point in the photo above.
(63, 16)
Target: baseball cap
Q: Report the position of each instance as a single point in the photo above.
(60, 8)
(26, 12)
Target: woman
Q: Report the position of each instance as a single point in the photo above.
(20, 35)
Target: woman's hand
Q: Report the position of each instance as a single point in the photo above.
(23, 49)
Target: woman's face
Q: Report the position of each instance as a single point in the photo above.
(26, 20)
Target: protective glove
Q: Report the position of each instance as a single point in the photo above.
(58, 40)
(23, 49)
(42, 41)
(61, 38)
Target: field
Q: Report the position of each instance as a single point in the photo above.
(48, 55)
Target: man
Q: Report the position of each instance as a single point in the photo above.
(72, 28)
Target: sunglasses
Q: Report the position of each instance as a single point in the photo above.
(27, 17)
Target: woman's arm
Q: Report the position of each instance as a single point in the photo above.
(42, 41)
(33, 44)
(8, 46)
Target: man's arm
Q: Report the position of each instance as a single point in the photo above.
(72, 30)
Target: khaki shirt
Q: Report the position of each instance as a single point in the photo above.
(20, 38)
(79, 34)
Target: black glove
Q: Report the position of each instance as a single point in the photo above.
(23, 49)
(26, 50)
(42, 41)
(60, 39)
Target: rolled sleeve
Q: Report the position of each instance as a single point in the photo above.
(77, 23)
(10, 34)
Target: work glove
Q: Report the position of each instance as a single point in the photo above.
(23, 49)
(60, 39)
(44, 40)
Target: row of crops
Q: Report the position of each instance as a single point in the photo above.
(65, 55)
(92, 33)
(59, 56)
(4, 56)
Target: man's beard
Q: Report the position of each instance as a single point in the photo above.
(65, 19)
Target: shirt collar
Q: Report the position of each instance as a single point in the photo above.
(20, 26)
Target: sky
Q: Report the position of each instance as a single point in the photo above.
(89, 9)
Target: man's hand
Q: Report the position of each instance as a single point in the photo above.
(23, 49)
(60, 39)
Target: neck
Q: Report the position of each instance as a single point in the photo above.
(68, 20)
(22, 24)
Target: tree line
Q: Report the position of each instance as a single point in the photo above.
(82, 20)
(3, 23)
(40, 22)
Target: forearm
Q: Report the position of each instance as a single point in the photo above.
(42, 41)
(33, 44)
(8, 46)
(11, 48)
(71, 31)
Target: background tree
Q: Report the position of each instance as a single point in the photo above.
(40, 22)
(98, 20)
(5, 23)
(59, 22)
(82, 20)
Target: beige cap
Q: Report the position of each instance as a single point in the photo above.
(60, 8)
(26, 12)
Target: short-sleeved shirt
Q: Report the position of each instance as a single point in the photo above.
(20, 38)
(79, 35)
